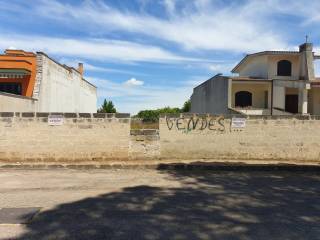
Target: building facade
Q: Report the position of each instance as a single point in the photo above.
(37, 83)
(266, 83)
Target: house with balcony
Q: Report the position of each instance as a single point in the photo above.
(35, 82)
(264, 83)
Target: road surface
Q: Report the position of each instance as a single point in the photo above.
(160, 204)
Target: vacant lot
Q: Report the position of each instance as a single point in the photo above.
(161, 204)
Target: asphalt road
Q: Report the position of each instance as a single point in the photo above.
(162, 204)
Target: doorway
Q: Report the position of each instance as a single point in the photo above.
(292, 101)
(243, 99)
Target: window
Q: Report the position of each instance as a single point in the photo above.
(13, 88)
(284, 68)
(243, 99)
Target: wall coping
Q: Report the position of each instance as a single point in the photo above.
(248, 117)
(163, 116)
(65, 115)
(17, 96)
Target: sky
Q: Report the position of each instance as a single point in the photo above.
(147, 54)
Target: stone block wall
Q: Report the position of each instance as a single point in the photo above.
(263, 138)
(82, 137)
(85, 137)
(144, 144)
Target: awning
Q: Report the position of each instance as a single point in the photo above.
(14, 73)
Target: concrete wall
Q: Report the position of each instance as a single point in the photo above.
(258, 93)
(211, 96)
(26, 137)
(267, 67)
(18, 103)
(273, 66)
(144, 144)
(60, 89)
(314, 101)
(279, 97)
(256, 67)
(277, 138)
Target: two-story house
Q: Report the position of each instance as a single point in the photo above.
(265, 83)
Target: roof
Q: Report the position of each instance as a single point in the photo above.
(18, 53)
(261, 54)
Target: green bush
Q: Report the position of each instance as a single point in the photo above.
(153, 115)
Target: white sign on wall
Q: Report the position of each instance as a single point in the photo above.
(238, 123)
(55, 120)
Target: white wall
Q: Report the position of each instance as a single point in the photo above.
(88, 97)
(14, 103)
(63, 90)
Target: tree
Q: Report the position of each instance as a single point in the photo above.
(107, 107)
(186, 106)
(153, 115)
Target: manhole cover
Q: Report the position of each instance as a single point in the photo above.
(17, 215)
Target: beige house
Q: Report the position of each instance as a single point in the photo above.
(266, 83)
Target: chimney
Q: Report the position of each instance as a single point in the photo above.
(306, 47)
(306, 62)
(80, 68)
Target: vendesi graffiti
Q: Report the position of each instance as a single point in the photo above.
(196, 124)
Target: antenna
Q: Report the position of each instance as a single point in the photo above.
(307, 38)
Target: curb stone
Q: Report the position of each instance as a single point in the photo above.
(169, 166)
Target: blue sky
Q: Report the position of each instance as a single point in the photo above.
(145, 54)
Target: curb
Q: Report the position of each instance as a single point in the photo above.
(169, 166)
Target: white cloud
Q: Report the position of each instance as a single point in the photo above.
(205, 26)
(170, 6)
(106, 50)
(242, 26)
(133, 82)
(221, 68)
(196, 80)
(93, 68)
(132, 100)
(307, 10)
